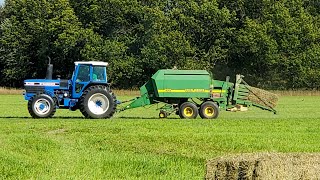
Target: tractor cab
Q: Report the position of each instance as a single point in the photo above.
(87, 73)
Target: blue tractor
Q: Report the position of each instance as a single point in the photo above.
(88, 91)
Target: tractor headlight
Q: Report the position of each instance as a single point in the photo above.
(65, 94)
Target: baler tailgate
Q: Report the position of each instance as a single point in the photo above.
(261, 98)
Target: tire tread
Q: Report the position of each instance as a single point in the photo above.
(33, 114)
(94, 88)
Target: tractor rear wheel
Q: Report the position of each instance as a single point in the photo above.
(98, 102)
(188, 110)
(209, 110)
(41, 106)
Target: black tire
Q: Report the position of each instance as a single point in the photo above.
(209, 110)
(188, 110)
(105, 102)
(74, 108)
(163, 114)
(41, 106)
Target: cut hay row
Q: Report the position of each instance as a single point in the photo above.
(262, 97)
(265, 166)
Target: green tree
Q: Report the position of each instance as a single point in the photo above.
(274, 44)
(12, 57)
(271, 50)
(157, 34)
(35, 30)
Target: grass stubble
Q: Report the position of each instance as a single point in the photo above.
(137, 145)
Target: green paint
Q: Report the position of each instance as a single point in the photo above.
(175, 86)
(182, 83)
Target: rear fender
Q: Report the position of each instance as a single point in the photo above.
(78, 95)
(97, 84)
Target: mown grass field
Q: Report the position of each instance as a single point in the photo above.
(137, 145)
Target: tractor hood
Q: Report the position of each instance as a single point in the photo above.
(41, 82)
(40, 85)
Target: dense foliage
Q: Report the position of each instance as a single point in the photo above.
(275, 44)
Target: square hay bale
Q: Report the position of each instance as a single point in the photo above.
(265, 166)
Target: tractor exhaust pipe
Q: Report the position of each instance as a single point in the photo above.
(49, 70)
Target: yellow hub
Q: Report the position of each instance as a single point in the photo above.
(162, 115)
(209, 111)
(188, 112)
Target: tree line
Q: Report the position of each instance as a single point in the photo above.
(274, 44)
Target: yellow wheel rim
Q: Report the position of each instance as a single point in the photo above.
(209, 111)
(161, 115)
(188, 112)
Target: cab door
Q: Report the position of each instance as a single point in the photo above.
(80, 80)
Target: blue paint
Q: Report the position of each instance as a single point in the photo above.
(73, 90)
(42, 107)
(99, 103)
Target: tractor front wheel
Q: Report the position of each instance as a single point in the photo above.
(188, 110)
(97, 102)
(41, 106)
(209, 110)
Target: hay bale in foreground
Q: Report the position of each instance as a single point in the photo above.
(265, 166)
(262, 97)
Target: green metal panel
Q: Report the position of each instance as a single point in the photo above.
(182, 83)
(146, 97)
(147, 88)
(144, 100)
(158, 83)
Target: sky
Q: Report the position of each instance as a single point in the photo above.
(1, 2)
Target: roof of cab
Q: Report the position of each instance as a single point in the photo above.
(94, 63)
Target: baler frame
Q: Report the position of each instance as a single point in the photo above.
(228, 96)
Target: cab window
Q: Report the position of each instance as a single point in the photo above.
(83, 73)
(99, 73)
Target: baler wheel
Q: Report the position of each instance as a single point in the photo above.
(98, 102)
(163, 114)
(188, 110)
(209, 110)
(41, 106)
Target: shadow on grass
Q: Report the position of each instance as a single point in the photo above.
(14, 117)
(82, 118)
(17, 117)
(151, 118)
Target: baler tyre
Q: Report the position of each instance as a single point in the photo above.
(188, 110)
(98, 102)
(163, 114)
(209, 110)
(41, 106)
